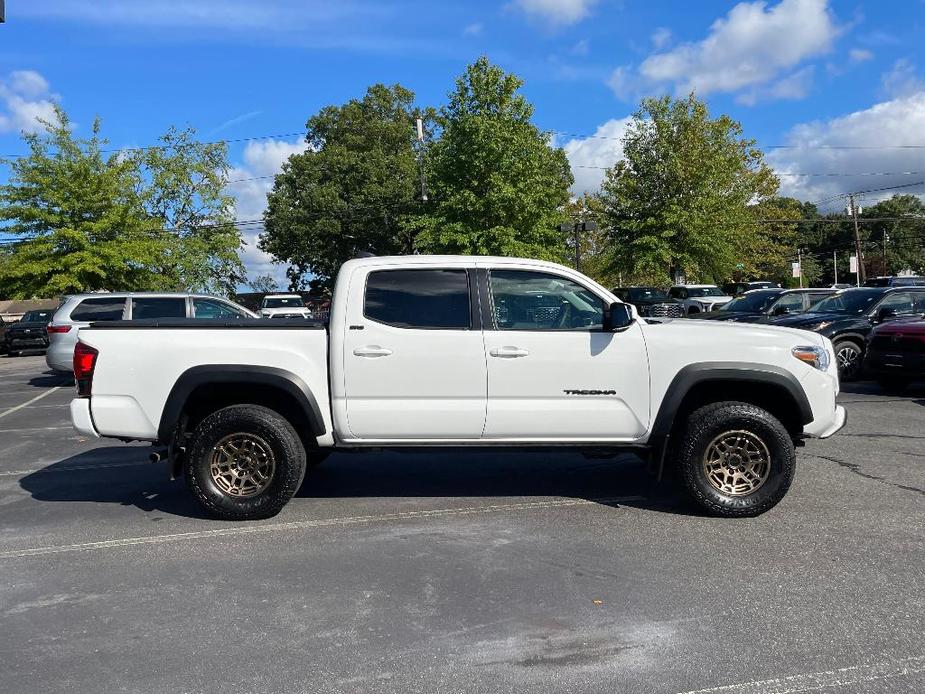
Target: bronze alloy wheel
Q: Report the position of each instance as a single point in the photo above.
(242, 465)
(737, 463)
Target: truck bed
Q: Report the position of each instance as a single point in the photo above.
(149, 368)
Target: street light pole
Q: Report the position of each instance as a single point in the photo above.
(853, 209)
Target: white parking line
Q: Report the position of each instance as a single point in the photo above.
(19, 431)
(66, 468)
(304, 525)
(29, 402)
(842, 677)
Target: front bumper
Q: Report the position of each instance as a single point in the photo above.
(81, 417)
(838, 422)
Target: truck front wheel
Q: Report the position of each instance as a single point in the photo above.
(245, 463)
(735, 459)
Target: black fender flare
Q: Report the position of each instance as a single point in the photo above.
(243, 374)
(741, 372)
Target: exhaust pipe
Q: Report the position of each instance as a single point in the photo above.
(158, 455)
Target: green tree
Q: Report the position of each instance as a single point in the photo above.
(498, 187)
(182, 191)
(352, 190)
(684, 196)
(894, 246)
(263, 284)
(89, 220)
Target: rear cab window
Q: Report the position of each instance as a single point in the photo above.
(98, 309)
(424, 299)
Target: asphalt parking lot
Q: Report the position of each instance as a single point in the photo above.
(452, 571)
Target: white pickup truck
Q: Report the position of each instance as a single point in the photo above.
(475, 351)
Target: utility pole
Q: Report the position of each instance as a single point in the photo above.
(800, 265)
(576, 229)
(854, 210)
(886, 238)
(835, 265)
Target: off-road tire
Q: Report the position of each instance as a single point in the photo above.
(271, 428)
(704, 426)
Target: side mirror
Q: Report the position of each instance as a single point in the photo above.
(780, 310)
(885, 313)
(617, 317)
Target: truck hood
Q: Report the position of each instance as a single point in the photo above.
(703, 332)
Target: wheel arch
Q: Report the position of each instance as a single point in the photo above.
(201, 390)
(770, 387)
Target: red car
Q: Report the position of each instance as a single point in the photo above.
(896, 353)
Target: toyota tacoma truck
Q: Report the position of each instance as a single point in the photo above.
(459, 351)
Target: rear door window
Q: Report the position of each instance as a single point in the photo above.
(158, 307)
(104, 308)
(428, 299)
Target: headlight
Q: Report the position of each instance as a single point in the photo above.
(817, 357)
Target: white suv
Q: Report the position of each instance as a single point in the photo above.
(284, 306)
(699, 298)
(80, 310)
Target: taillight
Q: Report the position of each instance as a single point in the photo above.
(58, 328)
(84, 361)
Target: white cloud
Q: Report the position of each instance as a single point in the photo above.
(860, 55)
(582, 47)
(251, 181)
(24, 100)
(557, 12)
(661, 37)
(474, 29)
(591, 155)
(876, 130)
(792, 87)
(902, 80)
(748, 48)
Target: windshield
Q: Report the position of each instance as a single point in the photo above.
(36, 317)
(647, 294)
(852, 301)
(752, 302)
(283, 302)
(705, 291)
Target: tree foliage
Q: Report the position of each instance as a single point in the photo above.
(352, 190)
(687, 194)
(263, 284)
(90, 220)
(498, 186)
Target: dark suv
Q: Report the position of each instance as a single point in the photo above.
(903, 281)
(765, 305)
(650, 301)
(848, 316)
(28, 332)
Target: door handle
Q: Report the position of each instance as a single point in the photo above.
(372, 351)
(508, 352)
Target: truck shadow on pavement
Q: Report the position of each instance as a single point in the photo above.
(121, 475)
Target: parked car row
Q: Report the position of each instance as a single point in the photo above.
(848, 317)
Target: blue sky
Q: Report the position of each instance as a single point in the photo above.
(810, 74)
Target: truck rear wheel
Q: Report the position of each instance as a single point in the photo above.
(245, 463)
(735, 459)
